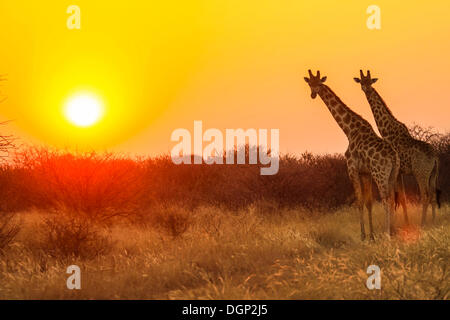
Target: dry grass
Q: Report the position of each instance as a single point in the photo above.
(9, 228)
(230, 255)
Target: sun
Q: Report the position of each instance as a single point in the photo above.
(83, 110)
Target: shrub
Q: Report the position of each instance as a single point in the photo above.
(173, 220)
(65, 236)
(105, 185)
(100, 185)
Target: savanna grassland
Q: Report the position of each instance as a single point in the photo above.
(248, 254)
(149, 229)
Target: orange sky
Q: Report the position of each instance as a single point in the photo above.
(160, 66)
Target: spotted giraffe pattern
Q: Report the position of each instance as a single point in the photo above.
(417, 158)
(368, 156)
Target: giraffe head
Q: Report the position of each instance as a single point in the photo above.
(315, 83)
(365, 81)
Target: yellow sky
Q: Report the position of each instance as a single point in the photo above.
(160, 65)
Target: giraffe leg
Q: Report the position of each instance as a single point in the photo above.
(425, 171)
(433, 190)
(386, 189)
(387, 218)
(424, 197)
(402, 197)
(367, 192)
(356, 181)
(432, 201)
(433, 211)
(425, 202)
(389, 204)
(424, 211)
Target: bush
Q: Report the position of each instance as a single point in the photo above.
(102, 186)
(66, 236)
(105, 185)
(173, 220)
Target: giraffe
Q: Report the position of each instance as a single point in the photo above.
(417, 158)
(368, 156)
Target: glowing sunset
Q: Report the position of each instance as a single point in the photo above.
(159, 67)
(83, 110)
(215, 150)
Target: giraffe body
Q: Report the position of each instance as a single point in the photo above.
(369, 157)
(417, 158)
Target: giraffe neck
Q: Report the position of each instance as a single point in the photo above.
(350, 122)
(390, 128)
